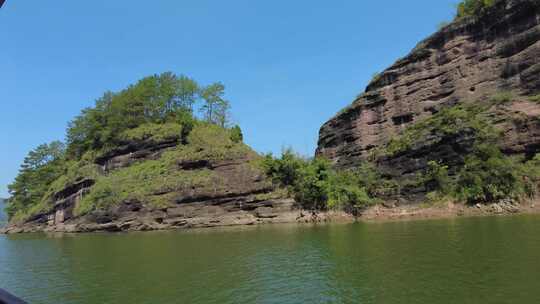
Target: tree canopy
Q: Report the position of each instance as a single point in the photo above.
(39, 169)
(154, 99)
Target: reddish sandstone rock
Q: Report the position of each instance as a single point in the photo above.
(466, 61)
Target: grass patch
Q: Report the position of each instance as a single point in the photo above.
(144, 181)
(535, 98)
(153, 182)
(502, 97)
(153, 132)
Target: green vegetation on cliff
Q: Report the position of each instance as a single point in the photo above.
(104, 146)
(157, 102)
(40, 168)
(317, 185)
(154, 181)
(446, 123)
(157, 109)
(485, 173)
(477, 172)
(472, 7)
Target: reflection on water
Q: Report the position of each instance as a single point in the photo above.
(483, 260)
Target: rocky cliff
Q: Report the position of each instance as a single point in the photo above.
(154, 184)
(468, 61)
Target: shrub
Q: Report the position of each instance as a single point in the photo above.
(488, 176)
(206, 135)
(283, 171)
(236, 134)
(446, 123)
(437, 179)
(346, 189)
(153, 131)
(502, 97)
(472, 7)
(312, 185)
(316, 185)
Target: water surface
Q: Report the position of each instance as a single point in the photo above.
(475, 260)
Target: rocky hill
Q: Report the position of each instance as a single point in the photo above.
(490, 59)
(150, 184)
(141, 160)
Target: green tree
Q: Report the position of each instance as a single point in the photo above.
(236, 134)
(155, 99)
(39, 169)
(215, 109)
(284, 170)
(489, 176)
(188, 93)
(312, 187)
(316, 185)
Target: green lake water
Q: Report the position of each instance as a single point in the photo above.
(473, 260)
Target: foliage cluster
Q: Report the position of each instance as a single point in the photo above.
(155, 100)
(316, 185)
(442, 125)
(40, 168)
(152, 131)
(502, 97)
(486, 176)
(472, 7)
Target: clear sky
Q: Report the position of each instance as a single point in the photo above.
(288, 66)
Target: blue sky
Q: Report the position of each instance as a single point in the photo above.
(288, 66)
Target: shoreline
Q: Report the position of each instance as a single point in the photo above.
(447, 211)
(374, 214)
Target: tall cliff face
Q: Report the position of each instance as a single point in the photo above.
(466, 61)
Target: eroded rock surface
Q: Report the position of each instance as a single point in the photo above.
(467, 61)
(237, 194)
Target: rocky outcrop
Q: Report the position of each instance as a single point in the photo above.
(134, 151)
(237, 194)
(516, 121)
(466, 61)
